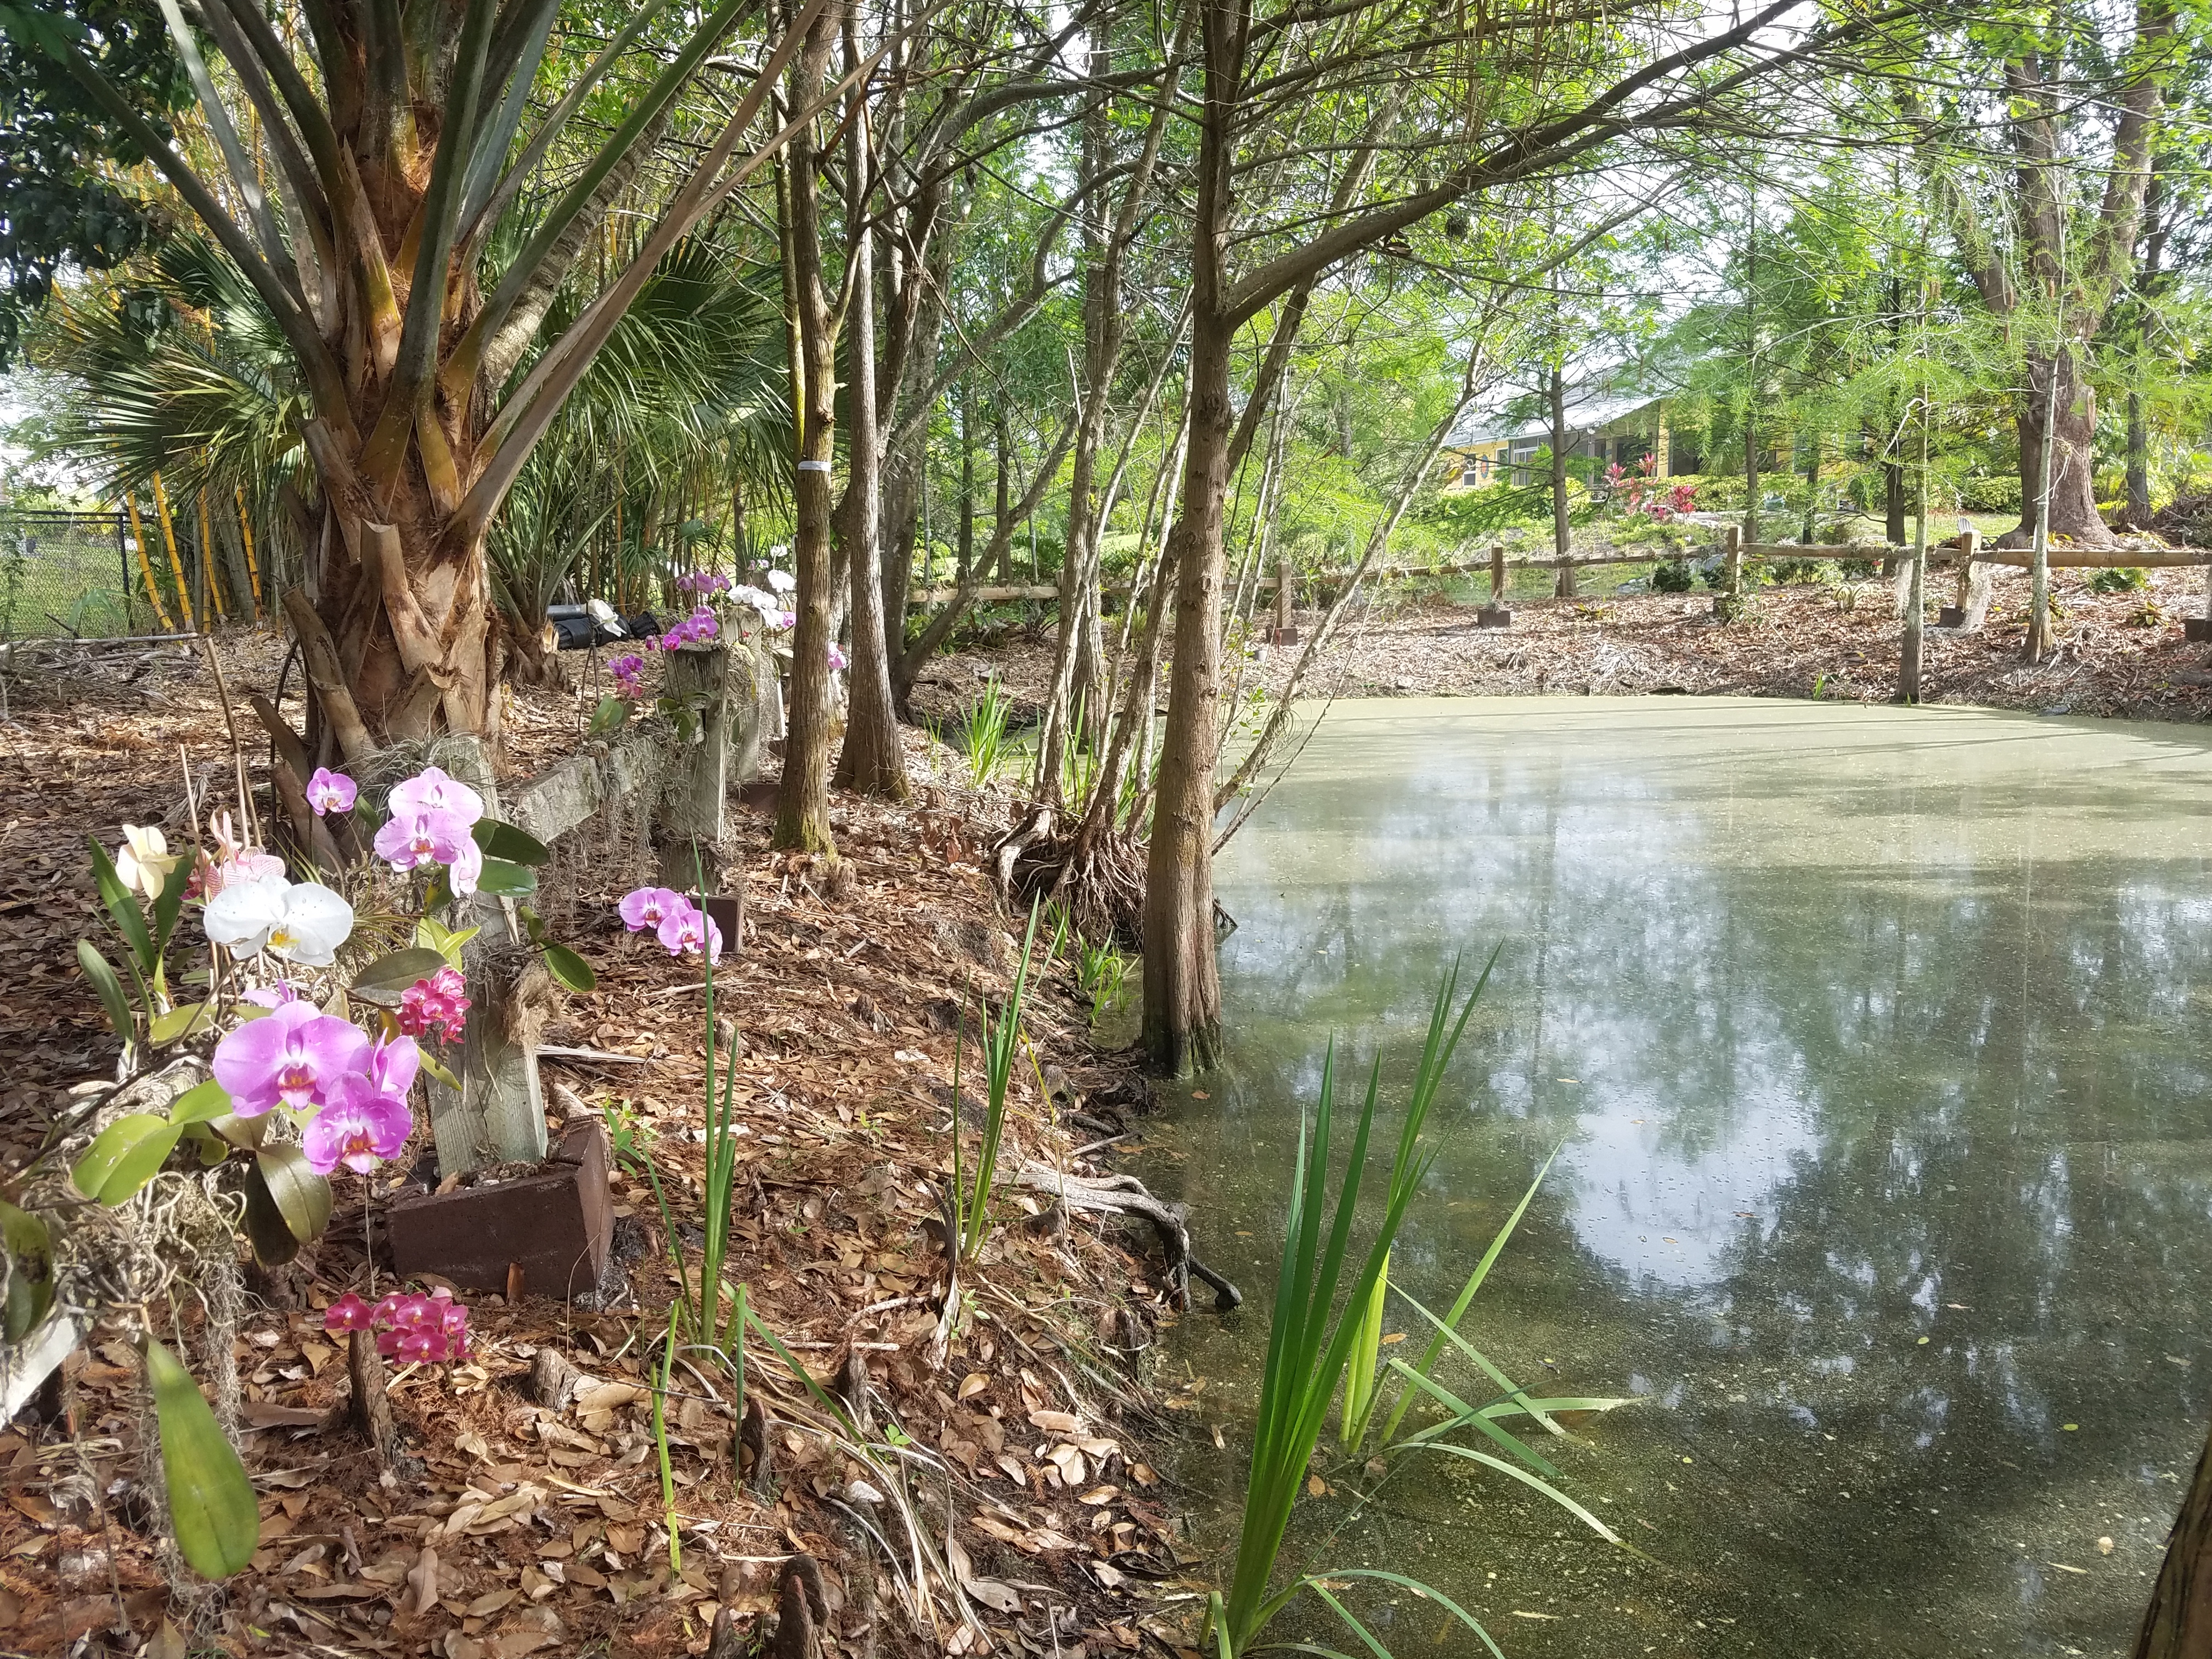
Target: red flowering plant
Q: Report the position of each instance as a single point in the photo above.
(296, 1047)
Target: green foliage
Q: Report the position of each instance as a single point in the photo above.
(2124, 578)
(61, 202)
(211, 1503)
(1307, 1354)
(984, 739)
(1673, 576)
(1001, 1041)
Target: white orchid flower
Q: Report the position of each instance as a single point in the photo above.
(782, 580)
(144, 861)
(301, 921)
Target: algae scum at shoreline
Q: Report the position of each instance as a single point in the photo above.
(1874, 1040)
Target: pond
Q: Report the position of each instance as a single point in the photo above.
(1873, 1044)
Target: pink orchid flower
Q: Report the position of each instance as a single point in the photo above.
(283, 992)
(466, 869)
(297, 1057)
(436, 1006)
(431, 791)
(360, 1129)
(331, 792)
(648, 907)
(686, 932)
(411, 839)
(348, 1313)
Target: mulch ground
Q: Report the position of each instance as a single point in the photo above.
(2119, 655)
(512, 1526)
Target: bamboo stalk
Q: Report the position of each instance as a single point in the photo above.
(252, 566)
(146, 565)
(208, 585)
(176, 564)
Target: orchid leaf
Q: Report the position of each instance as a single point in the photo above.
(302, 1196)
(177, 1023)
(504, 841)
(437, 1069)
(112, 999)
(105, 1155)
(29, 1269)
(607, 717)
(570, 969)
(383, 980)
(122, 906)
(212, 1509)
(502, 879)
(201, 1103)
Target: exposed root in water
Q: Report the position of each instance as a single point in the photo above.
(1124, 1195)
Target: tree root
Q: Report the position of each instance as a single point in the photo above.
(802, 1610)
(1124, 1195)
(1100, 877)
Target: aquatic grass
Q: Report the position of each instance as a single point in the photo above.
(1000, 1040)
(1101, 970)
(986, 734)
(1448, 1327)
(1308, 1351)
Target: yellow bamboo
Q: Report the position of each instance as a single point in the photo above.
(210, 579)
(146, 565)
(252, 569)
(176, 564)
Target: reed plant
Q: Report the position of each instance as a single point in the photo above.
(1326, 1331)
(1001, 1041)
(986, 733)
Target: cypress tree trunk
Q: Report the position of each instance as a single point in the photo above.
(803, 811)
(2178, 1624)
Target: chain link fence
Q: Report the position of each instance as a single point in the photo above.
(70, 575)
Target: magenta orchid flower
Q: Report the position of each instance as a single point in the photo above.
(431, 791)
(687, 931)
(297, 1057)
(466, 869)
(278, 995)
(391, 1065)
(436, 1006)
(648, 907)
(348, 1313)
(331, 792)
(836, 658)
(361, 1129)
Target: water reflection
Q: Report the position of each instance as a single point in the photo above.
(1875, 1040)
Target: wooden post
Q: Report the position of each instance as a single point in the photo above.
(1284, 635)
(1495, 614)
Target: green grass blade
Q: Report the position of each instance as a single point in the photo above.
(1451, 1321)
(1539, 1484)
(1513, 1389)
(1464, 1415)
(1366, 1636)
(1427, 1592)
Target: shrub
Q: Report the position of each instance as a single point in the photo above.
(1672, 577)
(2122, 580)
(1982, 492)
